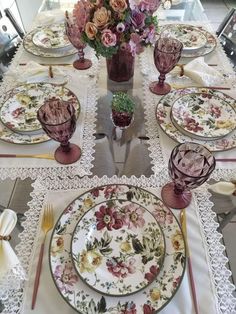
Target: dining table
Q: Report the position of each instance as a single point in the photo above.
(115, 164)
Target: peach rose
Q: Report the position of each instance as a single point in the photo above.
(101, 17)
(90, 30)
(118, 5)
(108, 38)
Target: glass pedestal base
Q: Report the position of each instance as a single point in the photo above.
(173, 200)
(69, 157)
(158, 89)
(82, 65)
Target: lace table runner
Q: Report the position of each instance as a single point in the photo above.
(212, 276)
(160, 145)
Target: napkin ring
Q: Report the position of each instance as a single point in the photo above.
(181, 66)
(6, 238)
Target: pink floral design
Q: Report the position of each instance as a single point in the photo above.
(111, 190)
(95, 192)
(154, 270)
(148, 309)
(176, 282)
(149, 5)
(108, 217)
(163, 217)
(215, 111)
(121, 269)
(192, 125)
(65, 277)
(133, 216)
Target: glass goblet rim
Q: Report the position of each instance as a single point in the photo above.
(174, 39)
(190, 176)
(51, 124)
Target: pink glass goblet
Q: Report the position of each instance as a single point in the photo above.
(167, 53)
(190, 165)
(58, 120)
(75, 37)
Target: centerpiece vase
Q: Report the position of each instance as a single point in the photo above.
(120, 67)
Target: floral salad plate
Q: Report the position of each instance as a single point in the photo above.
(190, 36)
(46, 53)
(203, 115)
(20, 98)
(78, 294)
(123, 241)
(163, 115)
(205, 49)
(51, 37)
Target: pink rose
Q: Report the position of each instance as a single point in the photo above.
(149, 5)
(108, 38)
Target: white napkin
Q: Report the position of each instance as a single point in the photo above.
(224, 188)
(11, 271)
(200, 72)
(49, 17)
(34, 72)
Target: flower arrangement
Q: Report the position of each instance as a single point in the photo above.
(107, 25)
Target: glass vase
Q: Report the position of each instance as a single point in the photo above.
(120, 67)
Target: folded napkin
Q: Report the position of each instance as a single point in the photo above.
(224, 188)
(49, 17)
(199, 72)
(11, 272)
(33, 72)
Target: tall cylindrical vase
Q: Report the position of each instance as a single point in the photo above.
(120, 67)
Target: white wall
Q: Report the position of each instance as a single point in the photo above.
(28, 10)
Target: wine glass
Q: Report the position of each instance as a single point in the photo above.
(190, 165)
(167, 53)
(58, 120)
(75, 37)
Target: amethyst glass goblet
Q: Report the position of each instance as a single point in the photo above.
(58, 120)
(167, 53)
(190, 165)
(74, 35)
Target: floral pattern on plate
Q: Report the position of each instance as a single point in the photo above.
(123, 242)
(46, 53)
(190, 36)
(203, 115)
(18, 112)
(51, 37)
(84, 299)
(207, 48)
(163, 113)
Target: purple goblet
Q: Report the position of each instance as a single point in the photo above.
(190, 165)
(58, 120)
(74, 35)
(167, 53)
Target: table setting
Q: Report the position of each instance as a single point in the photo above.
(119, 245)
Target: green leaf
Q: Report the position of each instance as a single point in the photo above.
(102, 305)
(138, 248)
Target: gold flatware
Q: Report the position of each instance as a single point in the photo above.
(42, 156)
(47, 224)
(50, 64)
(176, 86)
(190, 271)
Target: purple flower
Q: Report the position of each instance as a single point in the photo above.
(65, 277)
(138, 19)
(108, 217)
(149, 35)
(135, 44)
(120, 27)
(149, 5)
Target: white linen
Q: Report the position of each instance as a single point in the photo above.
(200, 72)
(182, 301)
(10, 266)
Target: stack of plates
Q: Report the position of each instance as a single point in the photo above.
(200, 115)
(49, 41)
(117, 248)
(196, 41)
(18, 111)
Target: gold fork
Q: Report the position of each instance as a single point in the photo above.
(47, 224)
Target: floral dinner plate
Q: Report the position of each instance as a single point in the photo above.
(19, 111)
(163, 115)
(51, 37)
(123, 241)
(78, 294)
(203, 115)
(208, 47)
(191, 37)
(46, 53)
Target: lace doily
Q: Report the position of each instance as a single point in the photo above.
(219, 273)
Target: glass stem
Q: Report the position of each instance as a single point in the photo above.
(81, 54)
(65, 147)
(161, 78)
(178, 190)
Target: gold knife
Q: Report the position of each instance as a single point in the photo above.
(42, 156)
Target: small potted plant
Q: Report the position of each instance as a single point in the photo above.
(122, 110)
